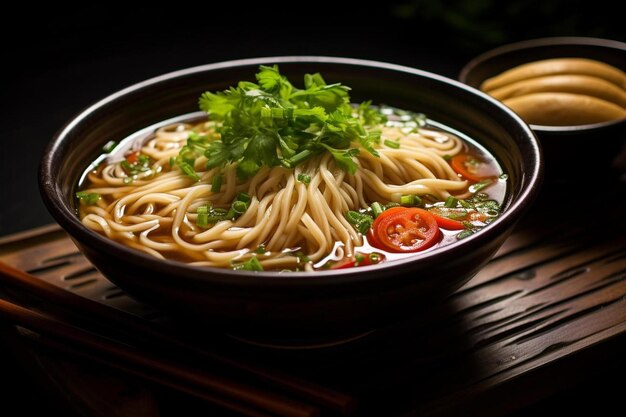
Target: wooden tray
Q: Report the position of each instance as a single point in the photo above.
(546, 310)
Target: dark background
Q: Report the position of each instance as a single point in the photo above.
(56, 62)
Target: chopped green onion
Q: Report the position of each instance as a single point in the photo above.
(487, 205)
(481, 196)
(359, 259)
(302, 257)
(465, 204)
(188, 170)
(451, 202)
(353, 216)
(421, 119)
(361, 222)
(260, 249)
(252, 264)
(202, 216)
(126, 166)
(410, 200)
(304, 178)
(88, 198)
(504, 177)
(216, 184)
(172, 161)
(244, 197)
(392, 144)
(374, 258)
(465, 233)
(377, 209)
(128, 180)
(459, 214)
(109, 146)
(188, 155)
(217, 217)
(240, 207)
(447, 157)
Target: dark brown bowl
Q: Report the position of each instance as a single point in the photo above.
(594, 146)
(293, 304)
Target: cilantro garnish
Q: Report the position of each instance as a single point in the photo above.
(273, 123)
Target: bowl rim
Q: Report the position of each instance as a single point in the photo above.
(541, 42)
(70, 222)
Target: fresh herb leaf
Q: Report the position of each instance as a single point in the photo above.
(344, 159)
(301, 257)
(272, 123)
(369, 115)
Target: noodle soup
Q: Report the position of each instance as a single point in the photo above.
(309, 184)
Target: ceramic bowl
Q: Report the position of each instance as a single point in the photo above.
(596, 148)
(293, 304)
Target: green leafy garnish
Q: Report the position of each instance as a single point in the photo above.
(410, 200)
(208, 214)
(377, 209)
(392, 144)
(451, 202)
(273, 123)
(202, 216)
(361, 222)
(301, 257)
(304, 179)
(141, 164)
(88, 198)
(252, 264)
